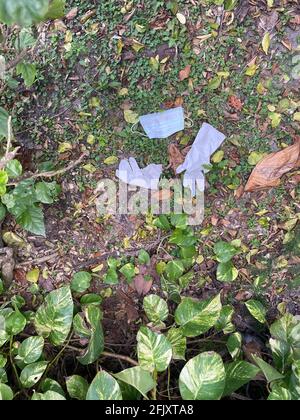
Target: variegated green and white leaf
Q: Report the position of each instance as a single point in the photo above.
(137, 377)
(32, 373)
(203, 378)
(96, 341)
(154, 350)
(54, 317)
(30, 350)
(197, 317)
(156, 308)
(178, 343)
(104, 387)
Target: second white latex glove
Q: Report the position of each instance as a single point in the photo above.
(207, 142)
(130, 173)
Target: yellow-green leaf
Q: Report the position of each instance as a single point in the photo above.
(130, 116)
(137, 46)
(112, 160)
(296, 116)
(218, 157)
(266, 43)
(33, 275)
(251, 70)
(64, 147)
(255, 157)
(275, 118)
(90, 168)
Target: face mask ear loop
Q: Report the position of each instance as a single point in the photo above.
(190, 121)
(136, 131)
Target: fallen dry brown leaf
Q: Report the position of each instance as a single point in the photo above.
(141, 285)
(235, 103)
(269, 171)
(185, 73)
(175, 157)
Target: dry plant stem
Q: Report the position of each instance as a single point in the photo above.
(112, 355)
(52, 174)
(120, 357)
(115, 254)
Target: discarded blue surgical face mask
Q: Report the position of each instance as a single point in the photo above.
(163, 124)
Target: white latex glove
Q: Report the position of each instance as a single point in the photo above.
(130, 173)
(207, 142)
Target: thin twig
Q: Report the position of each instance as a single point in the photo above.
(52, 174)
(108, 354)
(120, 357)
(38, 261)
(116, 254)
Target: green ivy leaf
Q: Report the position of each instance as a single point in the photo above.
(282, 353)
(23, 12)
(32, 219)
(91, 299)
(15, 323)
(197, 317)
(104, 387)
(96, 341)
(224, 323)
(81, 282)
(215, 83)
(128, 271)
(14, 168)
(280, 394)
(51, 385)
(144, 257)
(32, 373)
(203, 378)
(25, 39)
(54, 317)
(270, 373)
(183, 238)
(224, 251)
(178, 343)
(227, 272)
(77, 387)
(282, 329)
(156, 308)
(138, 378)
(48, 396)
(111, 277)
(257, 310)
(238, 374)
(234, 345)
(6, 393)
(56, 9)
(179, 221)
(46, 192)
(28, 73)
(174, 270)
(154, 350)
(162, 222)
(30, 350)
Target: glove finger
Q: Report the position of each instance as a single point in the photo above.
(189, 182)
(135, 167)
(200, 181)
